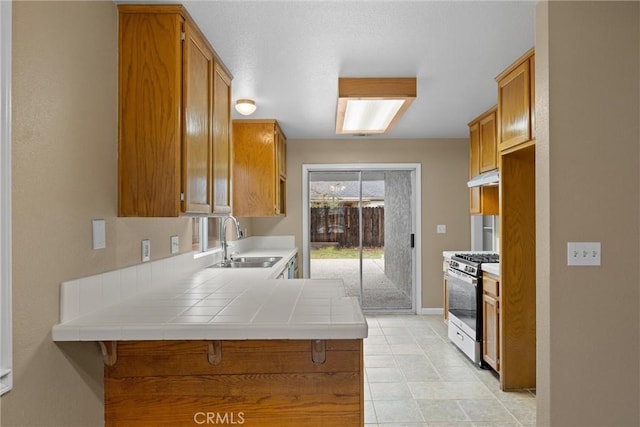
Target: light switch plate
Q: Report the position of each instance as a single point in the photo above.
(99, 234)
(175, 244)
(441, 229)
(146, 250)
(583, 253)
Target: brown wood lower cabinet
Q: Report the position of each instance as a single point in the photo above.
(491, 321)
(518, 268)
(255, 383)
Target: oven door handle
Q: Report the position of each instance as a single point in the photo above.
(457, 275)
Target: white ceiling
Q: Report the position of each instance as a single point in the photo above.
(288, 55)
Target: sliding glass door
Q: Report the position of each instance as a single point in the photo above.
(360, 227)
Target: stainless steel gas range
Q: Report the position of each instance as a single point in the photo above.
(464, 287)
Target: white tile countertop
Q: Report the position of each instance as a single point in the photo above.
(213, 304)
(492, 268)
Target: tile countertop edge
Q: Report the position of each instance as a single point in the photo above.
(492, 268)
(226, 332)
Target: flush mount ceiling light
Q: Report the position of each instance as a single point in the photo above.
(245, 107)
(372, 105)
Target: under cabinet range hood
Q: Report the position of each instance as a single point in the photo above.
(486, 178)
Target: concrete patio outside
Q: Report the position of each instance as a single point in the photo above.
(379, 292)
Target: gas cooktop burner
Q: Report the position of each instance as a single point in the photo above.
(478, 258)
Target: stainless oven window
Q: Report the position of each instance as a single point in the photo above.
(463, 301)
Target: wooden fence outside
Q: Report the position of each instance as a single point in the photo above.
(340, 226)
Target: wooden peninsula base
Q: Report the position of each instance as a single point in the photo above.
(234, 382)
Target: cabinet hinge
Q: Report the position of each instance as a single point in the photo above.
(182, 197)
(183, 36)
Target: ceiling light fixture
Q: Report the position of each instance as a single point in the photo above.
(245, 107)
(372, 105)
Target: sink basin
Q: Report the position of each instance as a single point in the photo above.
(271, 259)
(249, 262)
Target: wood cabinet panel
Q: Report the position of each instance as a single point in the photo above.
(474, 167)
(488, 142)
(491, 321)
(518, 269)
(515, 112)
(282, 153)
(198, 110)
(166, 114)
(281, 179)
(490, 285)
(236, 361)
(474, 149)
(489, 200)
(483, 200)
(221, 141)
(259, 187)
(259, 382)
(532, 97)
(149, 133)
(491, 331)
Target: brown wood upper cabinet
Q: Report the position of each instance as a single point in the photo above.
(259, 168)
(516, 102)
(482, 158)
(488, 141)
(517, 291)
(174, 116)
(221, 140)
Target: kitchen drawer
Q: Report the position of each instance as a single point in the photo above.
(462, 340)
(490, 285)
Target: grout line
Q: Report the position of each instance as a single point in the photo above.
(395, 357)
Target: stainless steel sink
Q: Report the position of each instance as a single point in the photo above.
(271, 259)
(249, 262)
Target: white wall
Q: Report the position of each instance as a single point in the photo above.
(588, 189)
(64, 124)
(445, 196)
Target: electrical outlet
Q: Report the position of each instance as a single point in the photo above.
(583, 253)
(441, 229)
(175, 244)
(146, 250)
(99, 234)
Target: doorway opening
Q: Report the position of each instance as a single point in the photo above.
(359, 225)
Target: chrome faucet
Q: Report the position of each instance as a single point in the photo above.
(225, 259)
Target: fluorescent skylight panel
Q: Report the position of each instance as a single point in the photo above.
(372, 105)
(373, 115)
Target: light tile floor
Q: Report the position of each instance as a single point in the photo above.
(414, 376)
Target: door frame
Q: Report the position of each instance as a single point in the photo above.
(6, 352)
(416, 177)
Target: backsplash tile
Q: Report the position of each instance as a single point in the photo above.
(69, 300)
(128, 282)
(90, 294)
(110, 284)
(82, 296)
